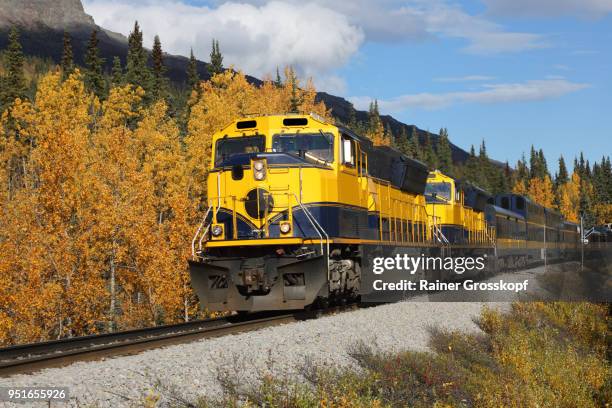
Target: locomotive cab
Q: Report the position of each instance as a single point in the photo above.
(458, 221)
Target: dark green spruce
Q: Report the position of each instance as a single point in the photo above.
(137, 72)
(13, 82)
(116, 78)
(67, 62)
(193, 77)
(216, 59)
(445, 159)
(159, 86)
(94, 67)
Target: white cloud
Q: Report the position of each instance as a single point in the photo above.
(419, 20)
(315, 36)
(549, 8)
(255, 38)
(466, 78)
(534, 90)
(483, 36)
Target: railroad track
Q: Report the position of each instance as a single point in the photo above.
(27, 358)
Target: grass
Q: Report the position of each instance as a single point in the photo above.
(536, 355)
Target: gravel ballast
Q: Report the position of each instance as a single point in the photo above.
(191, 370)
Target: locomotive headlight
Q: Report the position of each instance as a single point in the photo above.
(259, 170)
(258, 165)
(285, 227)
(217, 230)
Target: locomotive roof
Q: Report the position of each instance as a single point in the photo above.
(508, 213)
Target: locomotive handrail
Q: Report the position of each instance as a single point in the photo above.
(314, 223)
(195, 237)
(208, 226)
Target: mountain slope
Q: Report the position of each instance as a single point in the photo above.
(42, 24)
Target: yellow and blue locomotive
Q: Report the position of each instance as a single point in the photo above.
(292, 201)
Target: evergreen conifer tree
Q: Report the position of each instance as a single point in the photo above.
(543, 164)
(137, 72)
(278, 81)
(444, 153)
(216, 59)
(388, 135)
(562, 175)
(376, 130)
(193, 77)
(485, 177)
(159, 86)
(471, 168)
(402, 142)
(295, 100)
(116, 72)
(14, 83)
(67, 62)
(414, 145)
(352, 118)
(581, 166)
(533, 163)
(561, 178)
(429, 155)
(94, 65)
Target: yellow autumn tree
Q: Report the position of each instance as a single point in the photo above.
(54, 292)
(519, 188)
(541, 191)
(569, 200)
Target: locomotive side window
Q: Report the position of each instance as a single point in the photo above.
(363, 168)
(348, 151)
(440, 190)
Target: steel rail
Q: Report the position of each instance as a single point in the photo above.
(28, 358)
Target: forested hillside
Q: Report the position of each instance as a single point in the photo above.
(102, 181)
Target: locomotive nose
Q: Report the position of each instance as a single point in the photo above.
(258, 203)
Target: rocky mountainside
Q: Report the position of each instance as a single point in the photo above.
(43, 22)
(33, 14)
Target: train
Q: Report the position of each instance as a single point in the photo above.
(299, 208)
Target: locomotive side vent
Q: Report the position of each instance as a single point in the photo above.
(295, 122)
(246, 124)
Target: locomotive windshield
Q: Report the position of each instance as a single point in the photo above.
(314, 146)
(228, 147)
(441, 190)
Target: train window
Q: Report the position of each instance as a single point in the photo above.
(520, 203)
(318, 147)
(441, 190)
(505, 203)
(363, 168)
(295, 122)
(227, 147)
(348, 151)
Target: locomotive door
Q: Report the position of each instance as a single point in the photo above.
(353, 216)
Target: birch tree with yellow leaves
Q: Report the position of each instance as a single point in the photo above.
(569, 202)
(541, 191)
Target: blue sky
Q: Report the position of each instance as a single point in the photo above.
(512, 72)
